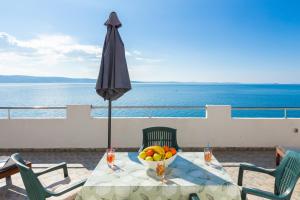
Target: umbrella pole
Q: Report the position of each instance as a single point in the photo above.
(109, 124)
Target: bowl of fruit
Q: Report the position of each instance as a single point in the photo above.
(153, 155)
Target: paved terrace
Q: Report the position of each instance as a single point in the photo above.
(81, 164)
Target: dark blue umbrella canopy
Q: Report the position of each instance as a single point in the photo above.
(113, 79)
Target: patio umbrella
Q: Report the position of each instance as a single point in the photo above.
(113, 79)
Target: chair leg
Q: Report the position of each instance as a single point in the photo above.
(240, 177)
(66, 174)
(8, 180)
(243, 195)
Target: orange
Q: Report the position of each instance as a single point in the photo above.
(173, 151)
(166, 148)
(150, 152)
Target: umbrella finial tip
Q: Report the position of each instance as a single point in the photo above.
(113, 20)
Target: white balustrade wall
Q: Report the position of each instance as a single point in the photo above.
(80, 130)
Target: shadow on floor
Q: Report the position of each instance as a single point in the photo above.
(12, 192)
(264, 159)
(88, 160)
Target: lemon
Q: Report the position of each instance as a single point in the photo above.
(142, 155)
(168, 155)
(149, 158)
(156, 157)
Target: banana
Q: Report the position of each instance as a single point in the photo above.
(148, 148)
(157, 149)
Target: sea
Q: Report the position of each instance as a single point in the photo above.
(151, 94)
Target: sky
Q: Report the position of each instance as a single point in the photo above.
(248, 41)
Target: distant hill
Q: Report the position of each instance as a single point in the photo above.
(39, 79)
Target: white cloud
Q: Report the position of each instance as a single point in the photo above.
(55, 55)
(148, 60)
(136, 52)
(127, 53)
(138, 56)
(47, 55)
(54, 44)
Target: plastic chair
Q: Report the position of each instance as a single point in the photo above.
(286, 176)
(159, 136)
(194, 196)
(34, 188)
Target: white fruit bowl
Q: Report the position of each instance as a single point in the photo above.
(153, 164)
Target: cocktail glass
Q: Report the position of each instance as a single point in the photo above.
(207, 154)
(161, 171)
(110, 157)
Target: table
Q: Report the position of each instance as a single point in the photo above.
(131, 180)
(10, 168)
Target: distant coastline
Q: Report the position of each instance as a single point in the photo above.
(54, 79)
(39, 79)
(45, 79)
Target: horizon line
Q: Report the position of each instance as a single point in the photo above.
(133, 81)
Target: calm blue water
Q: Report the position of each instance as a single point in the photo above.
(248, 95)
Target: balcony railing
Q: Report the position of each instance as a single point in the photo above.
(10, 108)
(151, 107)
(278, 112)
(284, 110)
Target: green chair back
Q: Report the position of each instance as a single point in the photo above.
(160, 136)
(34, 188)
(287, 174)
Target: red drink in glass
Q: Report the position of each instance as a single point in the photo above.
(110, 157)
(161, 170)
(207, 154)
